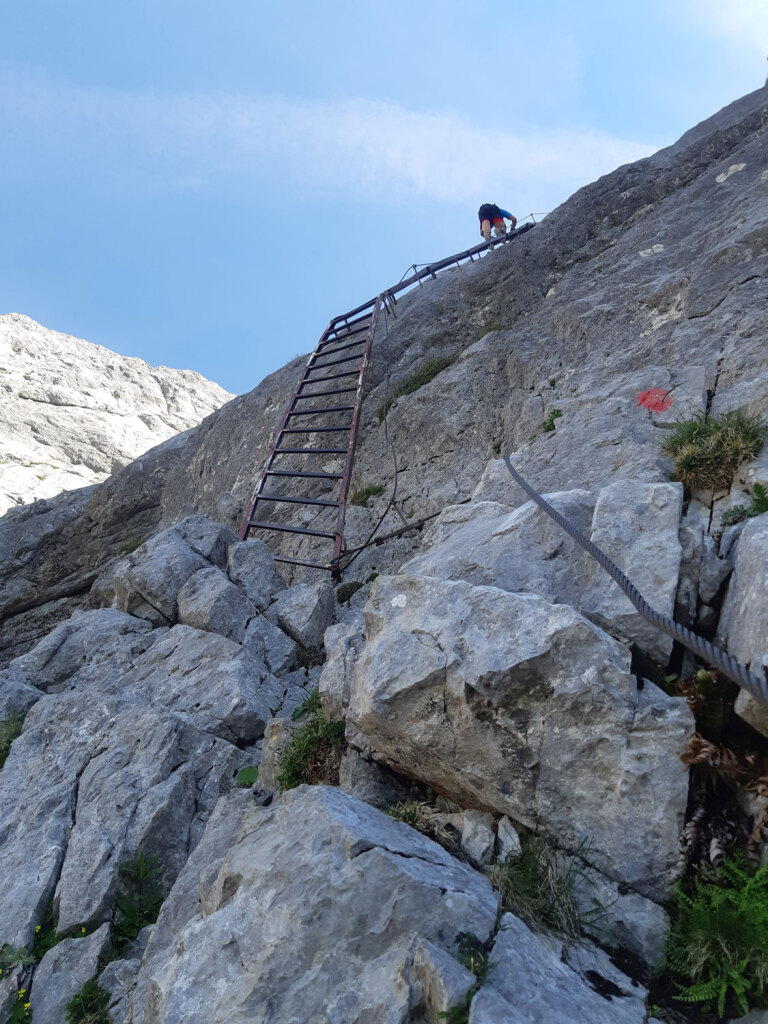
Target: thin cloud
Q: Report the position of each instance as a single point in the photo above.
(359, 147)
(741, 22)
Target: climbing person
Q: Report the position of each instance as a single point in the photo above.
(491, 213)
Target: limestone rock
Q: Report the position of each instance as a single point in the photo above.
(744, 619)
(478, 837)
(252, 567)
(73, 412)
(148, 581)
(507, 840)
(304, 612)
(517, 550)
(119, 980)
(507, 703)
(536, 981)
(277, 738)
(271, 645)
(636, 524)
(208, 601)
(62, 971)
(382, 888)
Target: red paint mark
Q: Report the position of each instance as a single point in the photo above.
(655, 399)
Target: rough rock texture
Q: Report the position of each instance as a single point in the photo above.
(72, 412)
(374, 884)
(744, 621)
(508, 703)
(62, 971)
(537, 981)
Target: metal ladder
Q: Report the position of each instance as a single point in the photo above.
(351, 333)
(339, 360)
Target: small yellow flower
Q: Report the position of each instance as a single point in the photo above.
(22, 992)
(37, 929)
(26, 1006)
(82, 930)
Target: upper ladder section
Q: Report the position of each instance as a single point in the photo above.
(315, 441)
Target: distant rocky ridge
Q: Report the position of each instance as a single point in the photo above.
(72, 412)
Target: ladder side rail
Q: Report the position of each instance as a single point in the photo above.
(353, 432)
(245, 527)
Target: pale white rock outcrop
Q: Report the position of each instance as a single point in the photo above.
(73, 412)
(312, 911)
(508, 703)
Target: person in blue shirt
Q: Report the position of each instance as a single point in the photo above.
(490, 213)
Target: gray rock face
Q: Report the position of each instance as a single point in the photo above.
(744, 620)
(536, 981)
(636, 525)
(73, 412)
(251, 566)
(62, 971)
(518, 550)
(507, 703)
(208, 601)
(304, 612)
(381, 887)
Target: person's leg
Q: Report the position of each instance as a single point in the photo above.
(498, 226)
(485, 227)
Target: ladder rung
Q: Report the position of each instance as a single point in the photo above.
(333, 391)
(333, 362)
(290, 529)
(317, 476)
(350, 323)
(331, 376)
(309, 451)
(321, 349)
(330, 408)
(299, 561)
(313, 430)
(342, 334)
(297, 501)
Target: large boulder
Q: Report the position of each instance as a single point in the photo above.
(62, 971)
(208, 601)
(744, 620)
(510, 704)
(305, 611)
(312, 912)
(252, 567)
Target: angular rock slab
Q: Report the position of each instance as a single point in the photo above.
(208, 601)
(251, 566)
(636, 524)
(313, 914)
(744, 619)
(537, 981)
(62, 971)
(510, 704)
(305, 611)
(520, 549)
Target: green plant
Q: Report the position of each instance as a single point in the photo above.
(314, 753)
(89, 1005)
(10, 730)
(128, 544)
(496, 448)
(361, 497)
(46, 936)
(549, 423)
(472, 954)
(371, 577)
(20, 1011)
(487, 327)
(538, 886)
(718, 943)
(10, 956)
(346, 590)
(757, 506)
(246, 777)
(428, 370)
(139, 903)
(708, 450)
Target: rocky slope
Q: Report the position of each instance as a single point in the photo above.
(73, 412)
(489, 671)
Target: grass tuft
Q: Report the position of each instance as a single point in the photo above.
(537, 887)
(708, 450)
(549, 423)
(346, 590)
(314, 753)
(89, 1005)
(757, 506)
(9, 731)
(428, 370)
(362, 496)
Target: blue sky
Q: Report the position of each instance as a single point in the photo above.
(205, 183)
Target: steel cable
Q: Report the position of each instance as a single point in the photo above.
(716, 656)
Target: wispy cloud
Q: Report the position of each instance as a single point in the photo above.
(741, 22)
(362, 148)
